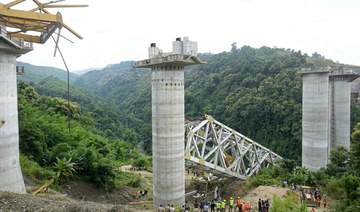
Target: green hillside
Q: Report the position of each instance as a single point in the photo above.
(108, 121)
(37, 73)
(255, 91)
(96, 79)
(79, 151)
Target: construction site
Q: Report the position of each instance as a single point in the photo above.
(192, 161)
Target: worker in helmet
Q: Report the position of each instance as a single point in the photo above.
(231, 204)
(218, 206)
(238, 203)
(248, 206)
(223, 205)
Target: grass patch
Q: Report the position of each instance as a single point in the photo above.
(127, 179)
(34, 171)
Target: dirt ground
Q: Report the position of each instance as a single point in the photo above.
(80, 196)
(75, 196)
(84, 197)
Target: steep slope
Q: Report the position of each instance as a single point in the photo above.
(255, 91)
(96, 79)
(38, 73)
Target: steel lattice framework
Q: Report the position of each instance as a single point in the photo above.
(213, 147)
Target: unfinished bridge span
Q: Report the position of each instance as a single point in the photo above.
(215, 148)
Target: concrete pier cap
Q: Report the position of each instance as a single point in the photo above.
(168, 118)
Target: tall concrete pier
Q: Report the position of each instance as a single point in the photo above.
(326, 114)
(11, 178)
(340, 82)
(315, 121)
(168, 119)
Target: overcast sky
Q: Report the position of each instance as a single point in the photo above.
(119, 30)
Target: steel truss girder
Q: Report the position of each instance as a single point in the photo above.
(216, 148)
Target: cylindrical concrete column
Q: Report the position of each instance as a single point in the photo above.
(10, 174)
(315, 120)
(341, 98)
(168, 135)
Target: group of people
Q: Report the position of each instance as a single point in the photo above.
(263, 205)
(168, 208)
(219, 205)
(318, 201)
(318, 198)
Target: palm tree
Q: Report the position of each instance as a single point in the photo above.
(64, 168)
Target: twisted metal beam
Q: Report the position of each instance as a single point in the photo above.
(213, 147)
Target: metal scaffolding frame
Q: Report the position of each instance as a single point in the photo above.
(213, 147)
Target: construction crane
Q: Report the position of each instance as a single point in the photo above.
(37, 20)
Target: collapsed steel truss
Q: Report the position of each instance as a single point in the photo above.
(218, 149)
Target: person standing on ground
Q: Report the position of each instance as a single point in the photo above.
(241, 207)
(167, 208)
(238, 203)
(325, 202)
(206, 207)
(218, 206)
(161, 209)
(267, 205)
(231, 204)
(263, 206)
(260, 205)
(202, 205)
(212, 206)
(223, 205)
(196, 206)
(318, 201)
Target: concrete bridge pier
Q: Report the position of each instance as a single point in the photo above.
(11, 178)
(167, 84)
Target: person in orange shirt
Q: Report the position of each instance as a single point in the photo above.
(325, 203)
(318, 201)
(238, 203)
(248, 206)
(243, 207)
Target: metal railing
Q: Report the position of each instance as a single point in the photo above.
(17, 41)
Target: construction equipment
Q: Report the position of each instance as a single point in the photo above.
(308, 195)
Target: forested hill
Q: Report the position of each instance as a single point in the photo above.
(255, 91)
(88, 150)
(37, 73)
(96, 79)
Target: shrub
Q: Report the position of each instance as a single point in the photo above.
(142, 163)
(127, 179)
(34, 171)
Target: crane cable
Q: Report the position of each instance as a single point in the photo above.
(68, 81)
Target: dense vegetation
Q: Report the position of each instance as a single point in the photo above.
(255, 91)
(340, 179)
(37, 73)
(81, 153)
